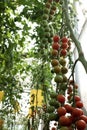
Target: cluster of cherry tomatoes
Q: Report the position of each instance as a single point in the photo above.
(46, 30)
(59, 52)
(65, 104)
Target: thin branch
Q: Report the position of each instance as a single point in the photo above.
(72, 74)
(74, 38)
(83, 27)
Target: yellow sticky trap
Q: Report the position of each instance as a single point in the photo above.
(30, 113)
(36, 98)
(1, 95)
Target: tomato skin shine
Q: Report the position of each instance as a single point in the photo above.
(79, 104)
(64, 45)
(54, 53)
(77, 98)
(61, 111)
(61, 98)
(54, 62)
(69, 108)
(77, 112)
(81, 124)
(63, 52)
(83, 117)
(62, 61)
(64, 40)
(58, 78)
(56, 38)
(55, 46)
(57, 69)
(64, 121)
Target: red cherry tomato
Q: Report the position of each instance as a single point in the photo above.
(56, 38)
(61, 98)
(81, 124)
(61, 111)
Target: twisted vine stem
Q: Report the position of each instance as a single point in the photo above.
(74, 38)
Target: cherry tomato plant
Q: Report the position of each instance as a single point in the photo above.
(36, 39)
